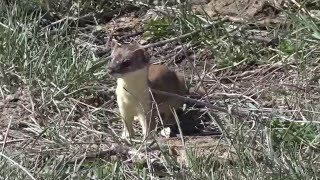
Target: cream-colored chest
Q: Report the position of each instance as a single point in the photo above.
(133, 97)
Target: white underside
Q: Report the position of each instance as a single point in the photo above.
(133, 93)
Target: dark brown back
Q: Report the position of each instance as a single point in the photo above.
(164, 79)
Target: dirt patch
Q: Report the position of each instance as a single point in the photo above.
(131, 24)
(15, 107)
(240, 8)
(127, 23)
(201, 146)
(15, 112)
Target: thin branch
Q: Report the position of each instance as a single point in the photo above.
(6, 135)
(160, 43)
(17, 164)
(5, 26)
(211, 106)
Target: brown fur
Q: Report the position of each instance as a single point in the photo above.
(130, 64)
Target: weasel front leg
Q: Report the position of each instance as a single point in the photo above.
(127, 129)
(127, 117)
(147, 122)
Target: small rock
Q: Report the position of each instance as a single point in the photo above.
(166, 132)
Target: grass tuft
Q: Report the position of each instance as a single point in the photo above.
(58, 112)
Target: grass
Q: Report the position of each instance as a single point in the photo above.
(56, 68)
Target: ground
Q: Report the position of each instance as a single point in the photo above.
(258, 65)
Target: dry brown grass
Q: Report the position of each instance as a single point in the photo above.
(259, 118)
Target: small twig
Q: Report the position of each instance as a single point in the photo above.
(117, 138)
(238, 111)
(211, 106)
(261, 23)
(70, 18)
(5, 26)
(6, 135)
(17, 164)
(195, 70)
(12, 141)
(129, 35)
(114, 150)
(303, 9)
(238, 96)
(224, 19)
(228, 67)
(160, 43)
(260, 38)
(298, 5)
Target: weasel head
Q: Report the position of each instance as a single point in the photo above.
(126, 59)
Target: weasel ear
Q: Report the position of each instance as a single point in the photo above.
(140, 54)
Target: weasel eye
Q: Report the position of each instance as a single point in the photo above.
(125, 64)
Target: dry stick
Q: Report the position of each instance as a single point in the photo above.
(234, 95)
(12, 141)
(17, 164)
(259, 38)
(6, 135)
(219, 123)
(261, 23)
(303, 9)
(224, 19)
(5, 26)
(130, 35)
(114, 150)
(201, 79)
(210, 106)
(183, 36)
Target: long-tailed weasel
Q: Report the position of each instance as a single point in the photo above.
(130, 65)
